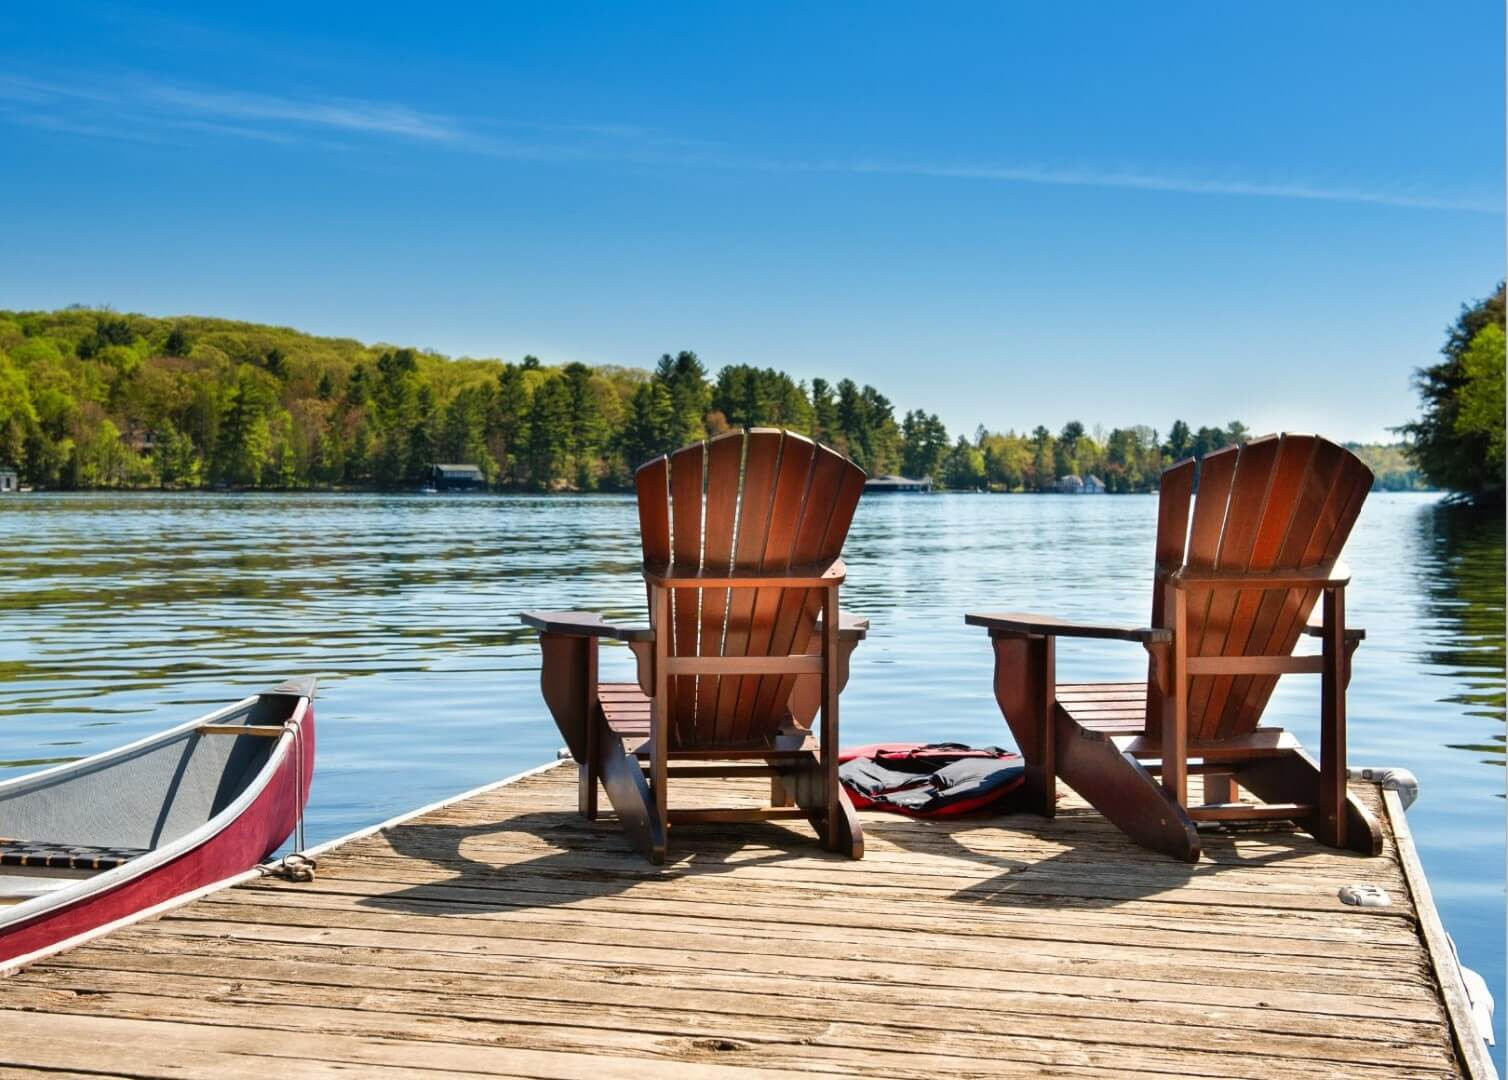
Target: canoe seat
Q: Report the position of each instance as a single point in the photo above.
(40, 854)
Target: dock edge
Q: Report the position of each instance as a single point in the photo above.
(1471, 1048)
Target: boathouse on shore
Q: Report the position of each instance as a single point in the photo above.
(457, 478)
(891, 484)
(10, 480)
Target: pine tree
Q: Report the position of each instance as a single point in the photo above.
(245, 442)
(824, 413)
(549, 434)
(924, 445)
(510, 422)
(177, 343)
(584, 428)
(690, 396)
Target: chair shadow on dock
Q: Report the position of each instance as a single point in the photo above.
(496, 866)
(1089, 872)
(530, 859)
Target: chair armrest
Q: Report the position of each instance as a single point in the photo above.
(1317, 577)
(1353, 633)
(1024, 622)
(850, 627)
(805, 576)
(584, 624)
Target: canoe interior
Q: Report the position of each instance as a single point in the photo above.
(97, 813)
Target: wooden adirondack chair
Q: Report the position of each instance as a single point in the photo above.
(741, 538)
(1232, 595)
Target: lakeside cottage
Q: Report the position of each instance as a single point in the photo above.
(891, 484)
(10, 480)
(1073, 485)
(457, 478)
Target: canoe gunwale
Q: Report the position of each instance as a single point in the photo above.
(30, 911)
(46, 777)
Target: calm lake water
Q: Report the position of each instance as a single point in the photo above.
(121, 614)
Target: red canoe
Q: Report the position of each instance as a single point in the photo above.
(97, 840)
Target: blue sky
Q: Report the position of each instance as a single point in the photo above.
(1006, 214)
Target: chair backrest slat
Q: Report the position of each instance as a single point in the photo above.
(724, 466)
(1277, 503)
(1173, 493)
(850, 488)
(811, 529)
(686, 470)
(651, 485)
(770, 500)
(1215, 475)
(757, 512)
(1254, 611)
(1332, 500)
(1243, 518)
(792, 483)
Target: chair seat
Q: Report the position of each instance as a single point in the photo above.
(40, 854)
(1106, 708)
(626, 708)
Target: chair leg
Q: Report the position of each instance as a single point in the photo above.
(586, 790)
(568, 680)
(804, 781)
(586, 786)
(1295, 778)
(1331, 824)
(1128, 795)
(1220, 788)
(832, 791)
(1025, 691)
(623, 779)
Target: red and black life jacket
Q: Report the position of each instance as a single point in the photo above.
(932, 779)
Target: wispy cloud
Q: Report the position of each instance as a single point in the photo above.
(1145, 181)
(153, 110)
(338, 114)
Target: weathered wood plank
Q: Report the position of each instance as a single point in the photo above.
(334, 911)
(935, 966)
(1292, 934)
(210, 996)
(1109, 998)
(592, 945)
(159, 1048)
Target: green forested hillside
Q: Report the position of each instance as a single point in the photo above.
(93, 398)
(1391, 466)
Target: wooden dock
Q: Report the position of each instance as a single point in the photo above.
(503, 934)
